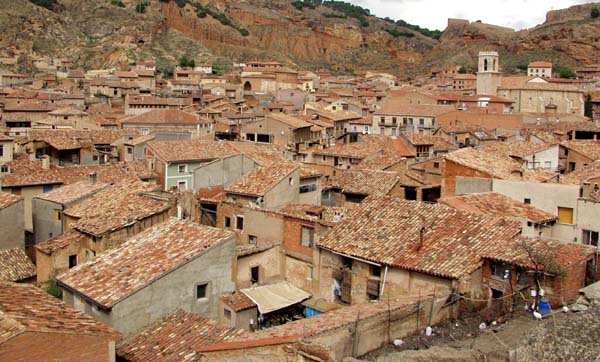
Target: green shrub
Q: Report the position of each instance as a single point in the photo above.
(118, 3)
(244, 32)
(48, 4)
(141, 7)
(396, 33)
(53, 289)
(595, 13)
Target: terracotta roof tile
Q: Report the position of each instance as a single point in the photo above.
(365, 182)
(387, 229)
(326, 214)
(498, 166)
(289, 120)
(588, 148)
(116, 273)
(164, 116)
(175, 338)
(73, 192)
(438, 143)
(61, 241)
(7, 199)
(358, 150)
(494, 204)
(393, 107)
(116, 207)
(15, 265)
(238, 302)
(195, 150)
(25, 308)
(260, 180)
(581, 175)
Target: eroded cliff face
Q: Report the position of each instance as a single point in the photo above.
(305, 38)
(97, 34)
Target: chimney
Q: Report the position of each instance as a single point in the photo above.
(421, 235)
(46, 162)
(92, 178)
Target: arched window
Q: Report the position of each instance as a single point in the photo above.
(485, 65)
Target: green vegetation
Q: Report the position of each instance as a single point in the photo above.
(48, 4)
(141, 6)
(589, 107)
(435, 34)
(595, 13)
(186, 61)
(462, 70)
(118, 3)
(53, 289)
(564, 72)
(203, 11)
(300, 5)
(349, 10)
(334, 15)
(99, 95)
(523, 67)
(166, 69)
(396, 33)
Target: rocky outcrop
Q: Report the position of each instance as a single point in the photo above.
(97, 34)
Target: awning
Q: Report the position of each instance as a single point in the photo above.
(270, 298)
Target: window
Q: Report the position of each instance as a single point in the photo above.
(57, 215)
(1, 150)
(145, 131)
(227, 222)
(72, 261)
(4, 169)
(227, 313)
(324, 158)
(565, 215)
(590, 237)
(291, 181)
(252, 239)
(547, 164)
(527, 201)
(307, 237)
(254, 275)
(182, 185)
(201, 290)
(308, 188)
(129, 150)
(47, 188)
(376, 271)
(436, 165)
(182, 168)
(239, 223)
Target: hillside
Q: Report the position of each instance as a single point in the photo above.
(342, 38)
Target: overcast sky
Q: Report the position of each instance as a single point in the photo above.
(434, 14)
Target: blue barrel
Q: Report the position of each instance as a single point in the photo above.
(545, 308)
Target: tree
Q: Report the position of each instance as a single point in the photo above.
(462, 70)
(564, 72)
(186, 61)
(595, 13)
(589, 107)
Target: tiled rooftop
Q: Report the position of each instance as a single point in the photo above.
(116, 273)
(74, 139)
(262, 179)
(365, 182)
(315, 326)
(60, 241)
(263, 154)
(495, 204)
(357, 150)
(392, 106)
(25, 308)
(238, 302)
(116, 207)
(15, 265)
(588, 148)
(499, 166)
(289, 120)
(195, 150)
(581, 175)
(327, 214)
(163, 116)
(7, 199)
(438, 143)
(390, 145)
(73, 192)
(176, 338)
(387, 230)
